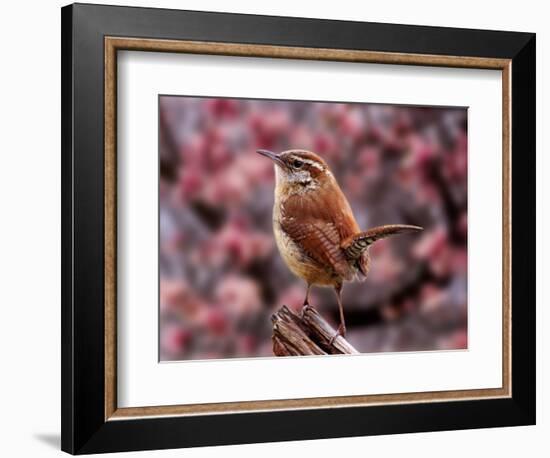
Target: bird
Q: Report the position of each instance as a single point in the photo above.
(315, 230)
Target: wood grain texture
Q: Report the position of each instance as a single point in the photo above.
(507, 228)
(291, 52)
(306, 334)
(110, 199)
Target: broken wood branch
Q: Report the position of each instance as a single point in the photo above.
(306, 334)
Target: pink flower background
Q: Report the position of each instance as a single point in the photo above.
(221, 276)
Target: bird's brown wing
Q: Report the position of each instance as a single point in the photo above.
(320, 242)
(326, 205)
(320, 228)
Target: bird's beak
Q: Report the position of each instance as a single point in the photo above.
(273, 156)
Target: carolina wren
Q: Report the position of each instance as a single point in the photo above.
(314, 227)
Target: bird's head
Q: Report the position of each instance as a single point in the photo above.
(298, 170)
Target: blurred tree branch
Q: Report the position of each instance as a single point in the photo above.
(169, 158)
(305, 334)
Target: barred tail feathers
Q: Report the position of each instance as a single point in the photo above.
(356, 244)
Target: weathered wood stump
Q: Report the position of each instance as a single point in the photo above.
(305, 334)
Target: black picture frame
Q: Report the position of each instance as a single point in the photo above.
(84, 427)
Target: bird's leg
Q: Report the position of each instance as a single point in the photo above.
(306, 299)
(341, 331)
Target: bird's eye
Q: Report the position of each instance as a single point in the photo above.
(297, 163)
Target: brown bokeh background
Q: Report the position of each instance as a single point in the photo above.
(221, 276)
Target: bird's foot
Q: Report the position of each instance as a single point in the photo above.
(305, 306)
(341, 331)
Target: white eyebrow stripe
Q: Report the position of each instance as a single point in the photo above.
(308, 161)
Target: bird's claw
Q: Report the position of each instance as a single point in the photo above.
(341, 331)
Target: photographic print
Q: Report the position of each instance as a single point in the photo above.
(294, 227)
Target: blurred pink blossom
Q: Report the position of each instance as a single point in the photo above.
(236, 243)
(173, 340)
(238, 295)
(219, 107)
(431, 297)
(293, 297)
(385, 267)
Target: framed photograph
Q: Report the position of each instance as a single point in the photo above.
(282, 228)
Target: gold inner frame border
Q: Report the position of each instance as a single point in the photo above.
(114, 44)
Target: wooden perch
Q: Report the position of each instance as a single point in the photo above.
(305, 334)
